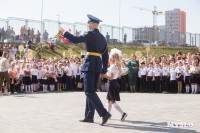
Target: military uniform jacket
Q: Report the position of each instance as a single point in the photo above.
(95, 42)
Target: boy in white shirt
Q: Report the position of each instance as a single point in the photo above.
(173, 82)
(78, 73)
(165, 75)
(149, 78)
(142, 75)
(69, 73)
(156, 77)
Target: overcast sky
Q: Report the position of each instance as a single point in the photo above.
(107, 10)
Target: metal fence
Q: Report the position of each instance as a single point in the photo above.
(115, 33)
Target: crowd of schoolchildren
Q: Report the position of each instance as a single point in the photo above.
(58, 74)
(176, 74)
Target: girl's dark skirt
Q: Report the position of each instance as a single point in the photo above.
(194, 78)
(113, 92)
(59, 78)
(34, 79)
(45, 81)
(51, 80)
(187, 80)
(40, 81)
(26, 80)
(63, 79)
(180, 78)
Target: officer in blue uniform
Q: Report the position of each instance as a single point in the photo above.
(93, 66)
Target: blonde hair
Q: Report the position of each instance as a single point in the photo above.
(117, 63)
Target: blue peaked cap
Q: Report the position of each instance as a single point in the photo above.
(94, 19)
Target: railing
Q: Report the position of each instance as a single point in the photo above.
(51, 26)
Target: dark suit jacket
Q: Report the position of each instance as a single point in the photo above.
(95, 42)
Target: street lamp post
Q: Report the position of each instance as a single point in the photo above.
(142, 36)
(172, 38)
(42, 21)
(58, 25)
(119, 18)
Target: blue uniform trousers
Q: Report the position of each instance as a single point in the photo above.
(92, 100)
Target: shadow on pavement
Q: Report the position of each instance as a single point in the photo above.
(151, 126)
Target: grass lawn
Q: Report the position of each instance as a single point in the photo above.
(125, 49)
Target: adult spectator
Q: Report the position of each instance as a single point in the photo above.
(15, 49)
(133, 66)
(4, 66)
(38, 37)
(45, 35)
(12, 35)
(25, 33)
(3, 35)
(11, 54)
(29, 32)
(51, 47)
(108, 38)
(39, 51)
(8, 33)
(21, 33)
(29, 43)
(32, 35)
(125, 37)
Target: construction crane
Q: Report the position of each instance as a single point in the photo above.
(155, 14)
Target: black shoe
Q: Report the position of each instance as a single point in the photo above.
(124, 116)
(105, 118)
(87, 120)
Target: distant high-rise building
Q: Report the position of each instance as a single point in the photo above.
(175, 22)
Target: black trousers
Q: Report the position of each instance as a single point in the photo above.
(150, 84)
(123, 82)
(17, 87)
(69, 83)
(77, 80)
(74, 82)
(168, 84)
(164, 83)
(143, 83)
(157, 84)
(173, 86)
(12, 86)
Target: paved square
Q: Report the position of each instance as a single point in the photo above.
(60, 113)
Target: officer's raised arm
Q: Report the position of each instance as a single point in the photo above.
(73, 38)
